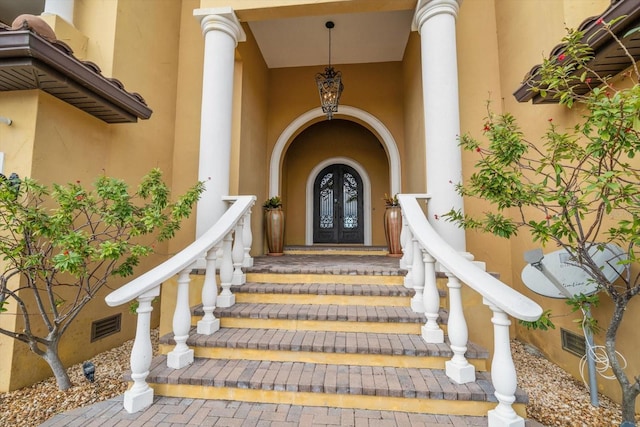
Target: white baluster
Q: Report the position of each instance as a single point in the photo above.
(458, 368)
(237, 255)
(209, 324)
(417, 273)
(226, 298)
(247, 239)
(140, 395)
(403, 241)
(431, 331)
(408, 253)
(503, 373)
(181, 355)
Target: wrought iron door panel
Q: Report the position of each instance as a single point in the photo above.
(337, 206)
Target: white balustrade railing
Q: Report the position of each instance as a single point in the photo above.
(423, 248)
(232, 234)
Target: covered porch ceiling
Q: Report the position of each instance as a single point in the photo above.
(366, 37)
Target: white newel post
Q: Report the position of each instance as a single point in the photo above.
(417, 274)
(237, 255)
(140, 395)
(226, 298)
(209, 323)
(181, 355)
(431, 331)
(222, 32)
(435, 20)
(503, 373)
(247, 238)
(458, 368)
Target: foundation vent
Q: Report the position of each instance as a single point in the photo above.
(573, 343)
(105, 327)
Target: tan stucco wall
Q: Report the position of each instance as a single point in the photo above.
(253, 157)
(413, 167)
(479, 82)
(54, 142)
(16, 142)
(525, 36)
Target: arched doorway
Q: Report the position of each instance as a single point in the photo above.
(338, 200)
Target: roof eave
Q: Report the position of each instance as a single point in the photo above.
(23, 51)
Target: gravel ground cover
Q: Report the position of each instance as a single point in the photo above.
(555, 398)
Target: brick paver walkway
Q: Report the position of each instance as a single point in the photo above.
(168, 411)
(176, 412)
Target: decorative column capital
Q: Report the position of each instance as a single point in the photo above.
(220, 19)
(426, 9)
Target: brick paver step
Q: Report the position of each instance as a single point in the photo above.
(325, 342)
(339, 265)
(328, 312)
(324, 289)
(325, 378)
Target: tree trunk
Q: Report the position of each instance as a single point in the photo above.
(58, 369)
(629, 406)
(628, 389)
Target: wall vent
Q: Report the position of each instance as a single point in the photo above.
(105, 327)
(573, 343)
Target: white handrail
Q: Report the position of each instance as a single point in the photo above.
(146, 287)
(501, 295)
(429, 247)
(184, 258)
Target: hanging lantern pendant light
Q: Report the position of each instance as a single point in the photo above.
(329, 84)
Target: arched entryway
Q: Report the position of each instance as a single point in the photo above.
(338, 214)
(310, 144)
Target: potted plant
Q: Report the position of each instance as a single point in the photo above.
(274, 225)
(392, 225)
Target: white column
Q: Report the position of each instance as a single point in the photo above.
(62, 8)
(436, 22)
(222, 32)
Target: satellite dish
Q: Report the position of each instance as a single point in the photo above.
(570, 279)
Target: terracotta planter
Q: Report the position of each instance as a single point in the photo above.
(274, 227)
(392, 230)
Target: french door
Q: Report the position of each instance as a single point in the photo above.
(338, 206)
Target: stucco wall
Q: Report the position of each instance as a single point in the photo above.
(54, 142)
(16, 142)
(413, 168)
(525, 37)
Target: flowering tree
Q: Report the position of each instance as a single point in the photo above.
(578, 188)
(60, 247)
